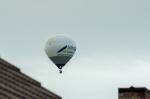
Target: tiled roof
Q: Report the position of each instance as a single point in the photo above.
(16, 85)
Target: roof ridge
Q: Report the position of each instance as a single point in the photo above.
(11, 76)
(9, 65)
(17, 70)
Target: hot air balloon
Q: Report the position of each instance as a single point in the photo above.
(60, 50)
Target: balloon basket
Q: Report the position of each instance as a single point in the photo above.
(60, 71)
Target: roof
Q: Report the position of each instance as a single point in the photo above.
(16, 85)
(134, 89)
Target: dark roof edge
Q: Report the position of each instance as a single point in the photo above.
(9, 65)
(134, 89)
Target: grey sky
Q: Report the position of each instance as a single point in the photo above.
(112, 38)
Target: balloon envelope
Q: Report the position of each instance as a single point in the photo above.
(60, 49)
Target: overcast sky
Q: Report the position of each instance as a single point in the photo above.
(112, 38)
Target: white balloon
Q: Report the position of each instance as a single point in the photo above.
(60, 49)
